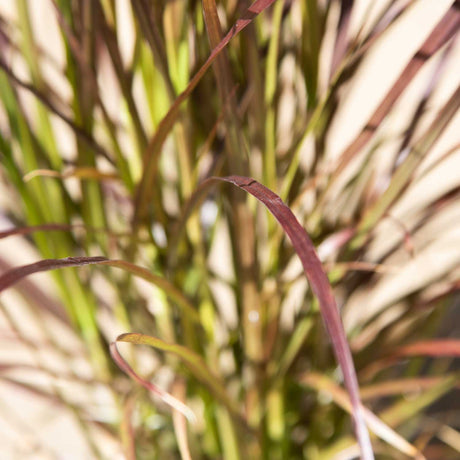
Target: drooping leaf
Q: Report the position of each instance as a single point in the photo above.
(13, 276)
(319, 285)
(194, 363)
(165, 396)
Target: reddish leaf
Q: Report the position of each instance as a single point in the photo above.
(319, 285)
(341, 40)
(39, 297)
(430, 348)
(441, 347)
(13, 276)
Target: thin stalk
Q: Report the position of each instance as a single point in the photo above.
(243, 227)
(270, 176)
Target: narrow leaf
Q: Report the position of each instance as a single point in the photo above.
(79, 173)
(51, 227)
(79, 132)
(341, 40)
(381, 429)
(318, 281)
(404, 172)
(441, 347)
(405, 409)
(165, 397)
(35, 228)
(193, 362)
(323, 291)
(153, 151)
(431, 348)
(442, 33)
(13, 276)
(180, 427)
(399, 387)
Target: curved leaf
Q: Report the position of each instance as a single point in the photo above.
(13, 276)
(166, 397)
(194, 364)
(319, 285)
(16, 274)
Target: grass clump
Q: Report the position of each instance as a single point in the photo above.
(114, 118)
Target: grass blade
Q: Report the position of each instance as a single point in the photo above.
(194, 363)
(323, 291)
(382, 430)
(13, 276)
(402, 175)
(441, 34)
(440, 347)
(151, 156)
(165, 397)
(319, 284)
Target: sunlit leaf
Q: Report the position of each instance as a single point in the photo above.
(193, 362)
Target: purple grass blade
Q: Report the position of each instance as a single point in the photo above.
(323, 291)
(13, 276)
